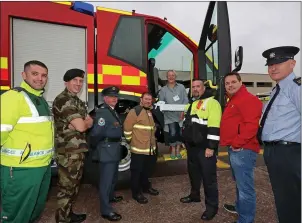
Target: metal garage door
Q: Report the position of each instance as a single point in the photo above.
(60, 47)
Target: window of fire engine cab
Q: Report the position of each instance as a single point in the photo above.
(211, 49)
(169, 53)
(128, 42)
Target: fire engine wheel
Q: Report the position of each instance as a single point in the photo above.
(126, 157)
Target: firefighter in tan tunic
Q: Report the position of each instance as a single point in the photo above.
(139, 130)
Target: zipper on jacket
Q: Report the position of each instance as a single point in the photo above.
(239, 129)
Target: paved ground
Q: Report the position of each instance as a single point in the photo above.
(166, 207)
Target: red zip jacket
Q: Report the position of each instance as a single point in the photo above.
(240, 121)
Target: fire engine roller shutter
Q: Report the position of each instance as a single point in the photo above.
(60, 47)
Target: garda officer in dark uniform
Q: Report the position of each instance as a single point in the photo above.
(280, 133)
(105, 137)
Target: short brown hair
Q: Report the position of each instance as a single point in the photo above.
(35, 62)
(146, 93)
(233, 73)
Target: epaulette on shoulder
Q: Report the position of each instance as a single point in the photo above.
(101, 109)
(297, 80)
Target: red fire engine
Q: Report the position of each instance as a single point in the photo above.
(114, 47)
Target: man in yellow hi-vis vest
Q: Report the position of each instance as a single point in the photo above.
(201, 136)
(26, 147)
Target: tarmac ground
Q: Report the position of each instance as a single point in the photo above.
(171, 179)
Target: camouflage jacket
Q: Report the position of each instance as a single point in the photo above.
(67, 107)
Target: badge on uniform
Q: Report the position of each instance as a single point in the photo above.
(101, 122)
(149, 113)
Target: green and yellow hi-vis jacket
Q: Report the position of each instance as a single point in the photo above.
(27, 133)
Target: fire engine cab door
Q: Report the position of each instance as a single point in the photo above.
(60, 47)
(214, 49)
(121, 52)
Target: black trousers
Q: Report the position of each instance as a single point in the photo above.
(284, 168)
(203, 169)
(141, 167)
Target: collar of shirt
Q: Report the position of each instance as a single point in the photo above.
(109, 106)
(176, 84)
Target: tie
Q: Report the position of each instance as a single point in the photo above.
(266, 113)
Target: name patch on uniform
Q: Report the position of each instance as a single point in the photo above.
(101, 122)
(116, 124)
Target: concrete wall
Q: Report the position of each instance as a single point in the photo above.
(255, 83)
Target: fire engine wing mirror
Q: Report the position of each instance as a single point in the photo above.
(238, 59)
(212, 34)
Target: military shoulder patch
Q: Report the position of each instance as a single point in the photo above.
(101, 122)
(297, 80)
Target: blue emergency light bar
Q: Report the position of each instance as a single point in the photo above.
(83, 7)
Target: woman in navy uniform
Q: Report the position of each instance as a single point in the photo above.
(106, 138)
(280, 133)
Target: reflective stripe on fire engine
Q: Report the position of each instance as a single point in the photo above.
(142, 150)
(213, 137)
(114, 10)
(145, 127)
(64, 3)
(3, 63)
(117, 75)
(4, 88)
(4, 71)
(120, 92)
(6, 128)
(19, 152)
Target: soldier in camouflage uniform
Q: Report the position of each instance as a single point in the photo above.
(71, 122)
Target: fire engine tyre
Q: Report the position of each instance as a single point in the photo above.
(126, 157)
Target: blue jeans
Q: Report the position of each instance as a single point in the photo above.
(174, 134)
(243, 164)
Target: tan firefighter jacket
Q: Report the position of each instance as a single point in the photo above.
(139, 130)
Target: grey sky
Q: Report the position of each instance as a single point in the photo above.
(256, 26)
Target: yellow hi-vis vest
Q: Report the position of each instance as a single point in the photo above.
(27, 139)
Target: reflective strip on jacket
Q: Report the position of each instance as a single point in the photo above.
(26, 137)
(209, 116)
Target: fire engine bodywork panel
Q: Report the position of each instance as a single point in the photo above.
(52, 14)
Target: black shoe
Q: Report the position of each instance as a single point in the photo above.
(77, 218)
(207, 216)
(189, 199)
(140, 199)
(112, 216)
(116, 199)
(152, 191)
(230, 208)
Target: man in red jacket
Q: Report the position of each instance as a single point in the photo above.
(238, 131)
